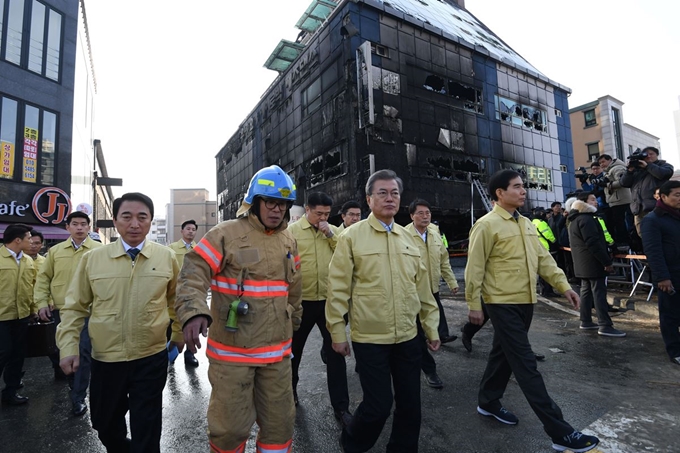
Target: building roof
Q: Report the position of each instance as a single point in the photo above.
(587, 106)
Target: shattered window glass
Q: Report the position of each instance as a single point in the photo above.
(386, 81)
(327, 166)
(519, 114)
(463, 96)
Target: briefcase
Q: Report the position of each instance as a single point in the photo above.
(41, 341)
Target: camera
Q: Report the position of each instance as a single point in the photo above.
(635, 158)
(584, 176)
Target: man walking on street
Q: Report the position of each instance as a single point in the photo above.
(252, 265)
(377, 266)
(316, 240)
(50, 297)
(181, 248)
(662, 246)
(436, 259)
(127, 288)
(503, 259)
(17, 276)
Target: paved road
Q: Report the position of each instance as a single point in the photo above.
(624, 390)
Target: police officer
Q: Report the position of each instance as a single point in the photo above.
(377, 266)
(127, 288)
(251, 261)
(436, 259)
(17, 276)
(50, 297)
(181, 248)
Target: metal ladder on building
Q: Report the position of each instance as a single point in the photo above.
(477, 184)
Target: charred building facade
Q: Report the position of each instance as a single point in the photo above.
(421, 87)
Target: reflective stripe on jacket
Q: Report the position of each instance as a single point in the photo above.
(239, 260)
(16, 286)
(128, 304)
(437, 261)
(315, 251)
(545, 234)
(386, 281)
(504, 257)
(57, 272)
(607, 237)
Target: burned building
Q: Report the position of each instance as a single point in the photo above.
(418, 86)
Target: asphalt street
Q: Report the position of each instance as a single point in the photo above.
(623, 390)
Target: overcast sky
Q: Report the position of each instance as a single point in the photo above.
(175, 79)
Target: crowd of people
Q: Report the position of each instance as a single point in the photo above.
(121, 307)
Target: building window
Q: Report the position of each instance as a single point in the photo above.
(41, 52)
(593, 151)
(589, 117)
(28, 139)
(539, 178)
(311, 97)
(520, 114)
(327, 166)
(616, 124)
(630, 149)
(463, 96)
(563, 168)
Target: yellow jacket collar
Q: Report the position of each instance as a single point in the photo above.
(375, 223)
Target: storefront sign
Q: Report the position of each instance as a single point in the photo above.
(30, 154)
(7, 167)
(13, 208)
(51, 205)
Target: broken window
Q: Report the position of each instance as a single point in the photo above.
(465, 97)
(386, 81)
(311, 98)
(326, 167)
(519, 114)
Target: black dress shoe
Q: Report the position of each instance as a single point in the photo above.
(79, 408)
(434, 381)
(466, 340)
(675, 360)
(190, 359)
(539, 357)
(14, 400)
(449, 339)
(344, 417)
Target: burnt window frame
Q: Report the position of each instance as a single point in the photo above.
(520, 117)
(476, 106)
(328, 172)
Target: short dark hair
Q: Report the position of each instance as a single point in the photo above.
(418, 202)
(189, 222)
(14, 231)
(132, 196)
(556, 203)
(668, 186)
(501, 180)
(605, 157)
(349, 205)
(583, 196)
(651, 148)
(595, 164)
(319, 199)
(77, 215)
(35, 232)
(383, 175)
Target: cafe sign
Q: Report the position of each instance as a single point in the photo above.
(50, 205)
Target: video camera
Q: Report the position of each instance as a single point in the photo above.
(635, 158)
(584, 177)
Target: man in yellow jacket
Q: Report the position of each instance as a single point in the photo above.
(17, 276)
(252, 266)
(37, 241)
(436, 259)
(127, 288)
(504, 257)
(50, 297)
(377, 276)
(181, 248)
(350, 212)
(316, 240)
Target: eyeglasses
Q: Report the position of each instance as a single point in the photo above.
(423, 213)
(353, 215)
(382, 194)
(273, 204)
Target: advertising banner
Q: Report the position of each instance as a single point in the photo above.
(7, 168)
(30, 154)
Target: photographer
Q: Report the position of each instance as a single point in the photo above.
(645, 174)
(617, 197)
(594, 183)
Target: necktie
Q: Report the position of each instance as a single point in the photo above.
(133, 253)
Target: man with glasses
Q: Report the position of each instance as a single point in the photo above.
(251, 260)
(377, 266)
(350, 213)
(316, 240)
(436, 259)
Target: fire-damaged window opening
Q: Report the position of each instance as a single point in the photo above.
(519, 114)
(311, 97)
(539, 178)
(326, 167)
(466, 97)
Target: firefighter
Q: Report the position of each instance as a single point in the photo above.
(252, 265)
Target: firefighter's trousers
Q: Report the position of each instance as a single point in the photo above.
(242, 395)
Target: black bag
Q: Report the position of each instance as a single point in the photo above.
(40, 339)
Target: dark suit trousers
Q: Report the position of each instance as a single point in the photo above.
(429, 365)
(137, 386)
(314, 313)
(12, 353)
(384, 366)
(511, 353)
(470, 329)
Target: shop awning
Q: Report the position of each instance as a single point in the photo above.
(50, 232)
